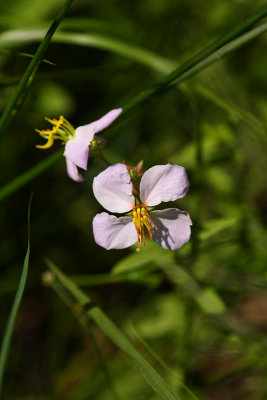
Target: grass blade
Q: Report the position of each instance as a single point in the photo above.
(157, 357)
(191, 67)
(159, 385)
(21, 54)
(15, 100)
(219, 43)
(27, 176)
(116, 46)
(13, 314)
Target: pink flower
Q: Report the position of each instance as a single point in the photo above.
(76, 141)
(113, 188)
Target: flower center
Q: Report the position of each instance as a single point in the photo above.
(61, 130)
(142, 220)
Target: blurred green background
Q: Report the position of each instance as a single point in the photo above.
(199, 314)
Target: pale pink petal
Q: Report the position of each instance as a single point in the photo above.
(172, 228)
(163, 183)
(73, 172)
(77, 149)
(111, 232)
(106, 120)
(113, 189)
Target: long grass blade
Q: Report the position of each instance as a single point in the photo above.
(15, 100)
(159, 385)
(13, 314)
(157, 357)
(27, 176)
(191, 68)
(219, 43)
(125, 49)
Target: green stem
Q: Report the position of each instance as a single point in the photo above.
(107, 279)
(25, 55)
(197, 181)
(12, 106)
(101, 157)
(15, 307)
(27, 176)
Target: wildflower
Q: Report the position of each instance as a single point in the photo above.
(76, 141)
(114, 190)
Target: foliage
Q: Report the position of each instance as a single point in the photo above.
(197, 315)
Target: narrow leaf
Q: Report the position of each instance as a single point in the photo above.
(159, 385)
(27, 176)
(15, 100)
(13, 314)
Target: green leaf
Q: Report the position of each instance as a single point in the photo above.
(158, 384)
(210, 301)
(12, 106)
(215, 226)
(149, 254)
(139, 277)
(13, 314)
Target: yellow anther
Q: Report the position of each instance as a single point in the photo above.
(148, 227)
(61, 129)
(55, 121)
(49, 143)
(149, 218)
(142, 220)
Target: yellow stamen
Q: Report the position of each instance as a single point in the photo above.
(49, 143)
(142, 219)
(61, 130)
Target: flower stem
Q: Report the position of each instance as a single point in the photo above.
(101, 157)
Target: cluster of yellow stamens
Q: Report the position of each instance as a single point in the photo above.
(142, 219)
(61, 130)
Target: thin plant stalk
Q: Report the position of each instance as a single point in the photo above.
(16, 99)
(6, 341)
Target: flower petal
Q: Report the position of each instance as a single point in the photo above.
(172, 228)
(106, 120)
(77, 149)
(113, 189)
(73, 172)
(163, 183)
(111, 232)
